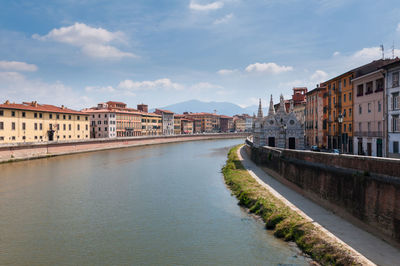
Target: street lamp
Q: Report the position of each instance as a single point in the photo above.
(340, 120)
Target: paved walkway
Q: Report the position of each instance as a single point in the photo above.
(366, 244)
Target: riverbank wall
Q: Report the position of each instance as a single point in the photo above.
(364, 190)
(26, 151)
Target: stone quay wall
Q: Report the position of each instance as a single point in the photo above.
(364, 190)
(25, 151)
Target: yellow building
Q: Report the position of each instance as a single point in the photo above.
(151, 124)
(340, 105)
(33, 122)
(178, 124)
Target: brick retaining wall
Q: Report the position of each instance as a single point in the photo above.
(366, 190)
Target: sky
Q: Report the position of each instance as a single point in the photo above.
(78, 53)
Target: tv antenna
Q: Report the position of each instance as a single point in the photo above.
(383, 51)
(393, 50)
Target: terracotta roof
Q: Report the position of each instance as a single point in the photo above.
(115, 102)
(225, 116)
(34, 106)
(164, 111)
(179, 116)
(150, 114)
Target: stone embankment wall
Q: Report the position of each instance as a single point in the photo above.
(21, 151)
(364, 190)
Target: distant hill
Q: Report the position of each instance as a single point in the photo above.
(222, 108)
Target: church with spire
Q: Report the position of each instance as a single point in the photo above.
(280, 128)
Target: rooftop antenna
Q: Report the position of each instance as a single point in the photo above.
(393, 50)
(383, 51)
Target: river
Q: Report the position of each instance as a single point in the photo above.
(153, 205)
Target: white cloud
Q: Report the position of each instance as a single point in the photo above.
(205, 7)
(204, 86)
(318, 76)
(226, 71)
(164, 83)
(371, 53)
(106, 89)
(94, 42)
(398, 27)
(18, 88)
(271, 68)
(224, 19)
(17, 66)
(336, 53)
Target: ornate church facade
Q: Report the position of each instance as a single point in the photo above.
(280, 129)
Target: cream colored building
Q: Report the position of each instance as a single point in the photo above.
(33, 122)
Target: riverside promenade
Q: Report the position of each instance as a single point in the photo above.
(373, 249)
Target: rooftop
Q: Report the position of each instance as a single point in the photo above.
(34, 106)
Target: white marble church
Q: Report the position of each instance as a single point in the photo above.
(279, 129)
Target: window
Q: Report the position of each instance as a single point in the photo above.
(69, 117)
(78, 117)
(1, 138)
(340, 85)
(64, 127)
(13, 126)
(79, 127)
(23, 114)
(58, 116)
(69, 127)
(369, 88)
(1, 112)
(344, 82)
(344, 128)
(344, 97)
(23, 126)
(99, 115)
(12, 113)
(35, 115)
(359, 109)
(379, 126)
(86, 118)
(50, 116)
(1, 125)
(344, 112)
(359, 126)
(35, 126)
(40, 126)
(369, 107)
(349, 127)
(36, 137)
(395, 79)
(369, 126)
(349, 96)
(13, 137)
(395, 147)
(379, 106)
(360, 90)
(379, 85)
(64, 117)
(105, 129)
(395, 101)
(69, 136)
(86, 127)
(40, 115)
(395, 123)
(334, 101)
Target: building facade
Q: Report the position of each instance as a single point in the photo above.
(102, 123)
(314, 117)
(368, 114)
(393, 109)
(226, 123)
(167, 121)
(187, 126)
(279, 129)
(33, 122)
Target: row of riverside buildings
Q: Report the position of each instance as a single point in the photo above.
(32, 122)
(357, 111)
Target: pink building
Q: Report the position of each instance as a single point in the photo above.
(368, 117)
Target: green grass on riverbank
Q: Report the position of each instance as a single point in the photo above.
(285, 222)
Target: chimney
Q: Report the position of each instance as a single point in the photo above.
(143, 108)
(62, 107)
(7, 102)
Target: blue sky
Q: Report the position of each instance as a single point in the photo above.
(79, 53)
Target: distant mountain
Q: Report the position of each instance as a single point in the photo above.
(222, 108)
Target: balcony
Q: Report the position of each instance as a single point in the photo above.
(368, 133)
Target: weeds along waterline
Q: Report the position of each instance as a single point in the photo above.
(285, 223)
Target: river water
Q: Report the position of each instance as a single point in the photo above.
(153, 205)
